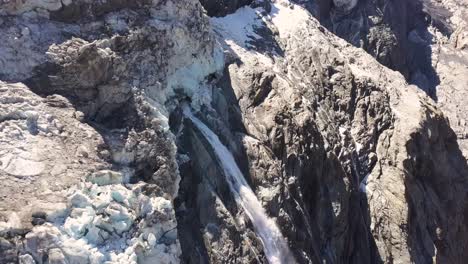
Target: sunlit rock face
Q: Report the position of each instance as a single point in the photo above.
(341, 158)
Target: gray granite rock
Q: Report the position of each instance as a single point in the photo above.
(98, 163)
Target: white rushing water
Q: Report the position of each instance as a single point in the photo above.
(274, 244)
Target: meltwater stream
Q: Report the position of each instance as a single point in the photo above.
(274, 244)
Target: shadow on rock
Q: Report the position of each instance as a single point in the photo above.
(304, 186)
(396, 33)
(436, 185)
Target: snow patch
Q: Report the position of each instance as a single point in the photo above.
(363, 184)
(359, 147)
(288, 17)
(239, 26)
(237, 30)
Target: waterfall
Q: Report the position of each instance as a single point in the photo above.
(274, 244)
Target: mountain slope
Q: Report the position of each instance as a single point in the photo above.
(352, 163)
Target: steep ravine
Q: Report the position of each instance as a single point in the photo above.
(327, 137)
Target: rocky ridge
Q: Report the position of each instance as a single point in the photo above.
(424, 40)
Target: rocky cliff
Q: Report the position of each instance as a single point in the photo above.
(347, 149)
(424, 40)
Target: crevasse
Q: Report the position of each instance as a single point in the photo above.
(274, 244)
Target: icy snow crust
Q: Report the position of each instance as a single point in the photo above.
(288, 17)
(108, 221)
(237, 30)
(100, 226)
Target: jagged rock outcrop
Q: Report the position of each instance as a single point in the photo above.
(342, 152)
(396, 33)
(31, 127)
(86, 139)
(450, 60)
(99, 164)
(424, 40)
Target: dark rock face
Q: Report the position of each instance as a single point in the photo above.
(423, 186)
(318, 143)
(353, 164)
(420, 39)
(77, 10)
(212, 233)
(223, 7)
(394, 32)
